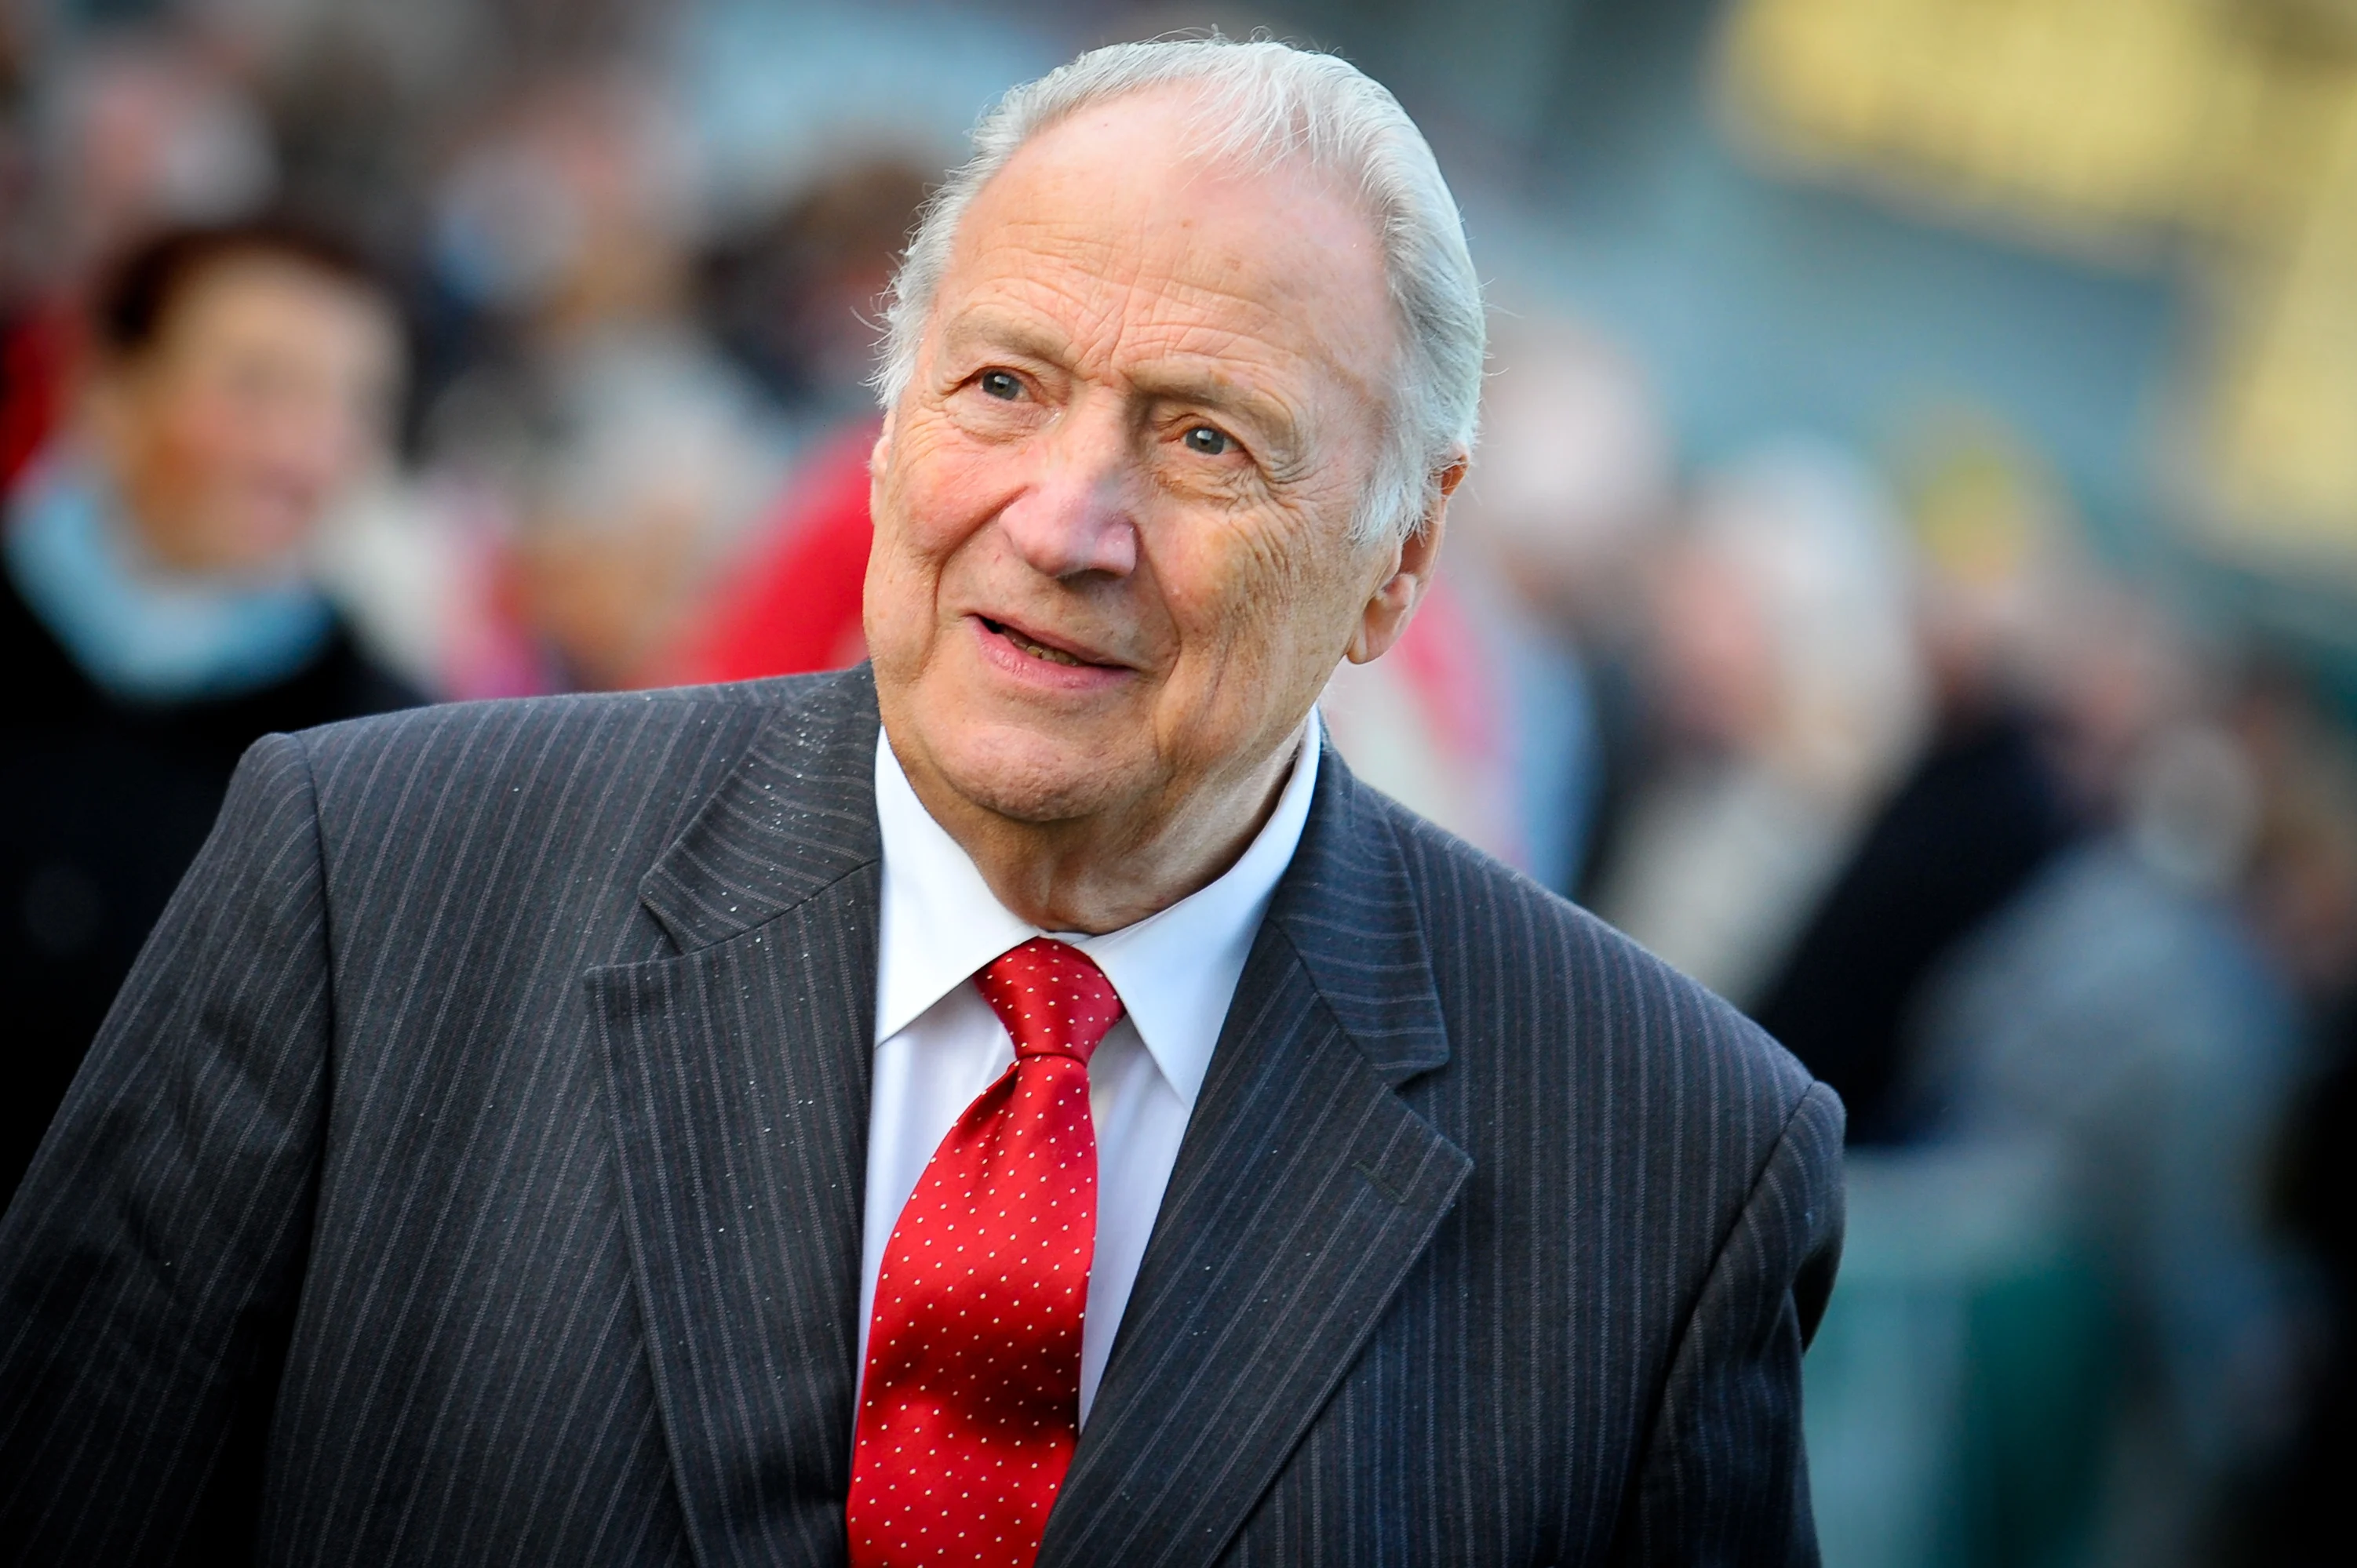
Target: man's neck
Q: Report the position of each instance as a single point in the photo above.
(1098, 874)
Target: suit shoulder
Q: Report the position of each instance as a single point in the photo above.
(1551, 963)
(487, 731)
(421, 762)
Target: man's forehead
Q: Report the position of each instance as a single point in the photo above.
(1050, 299)
(1104, 233)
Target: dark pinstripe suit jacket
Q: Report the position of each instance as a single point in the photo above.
(471, 1173)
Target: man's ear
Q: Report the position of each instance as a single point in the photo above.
(1387, 611)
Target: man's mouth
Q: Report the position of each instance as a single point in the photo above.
(1036, 649)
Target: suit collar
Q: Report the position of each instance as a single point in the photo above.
(796, 815)
(1350, 913)
(737, 1077)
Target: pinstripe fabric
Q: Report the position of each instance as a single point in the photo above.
(470, 1172)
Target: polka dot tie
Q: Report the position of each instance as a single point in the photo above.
(972, 1399)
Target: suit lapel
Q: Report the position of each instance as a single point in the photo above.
(1303, 1193)
(738, 1077)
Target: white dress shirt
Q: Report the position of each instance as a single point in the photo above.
(938, 1044)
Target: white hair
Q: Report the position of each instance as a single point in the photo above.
(1264, 101)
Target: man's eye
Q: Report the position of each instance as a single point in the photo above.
(1207, 442)
(1000, 384)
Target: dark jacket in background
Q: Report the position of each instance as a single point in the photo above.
(1963, 833)
(472, 1173)
(102, 806)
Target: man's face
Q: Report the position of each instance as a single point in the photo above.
(1113, 561)
(264, 396)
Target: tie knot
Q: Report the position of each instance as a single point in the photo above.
(1052, 997)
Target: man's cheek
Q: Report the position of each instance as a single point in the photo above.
(1251, 591)
(898, 604)
(947, 498)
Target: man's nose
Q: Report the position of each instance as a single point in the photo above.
(1077, 515)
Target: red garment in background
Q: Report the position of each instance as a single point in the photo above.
(793, 606)
(37, 353)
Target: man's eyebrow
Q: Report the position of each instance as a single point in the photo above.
(1175, 385)
(974, 329)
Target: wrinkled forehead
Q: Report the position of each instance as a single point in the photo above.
(1132, 224)
(1179, 130)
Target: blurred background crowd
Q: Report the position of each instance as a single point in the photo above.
(1909, 579)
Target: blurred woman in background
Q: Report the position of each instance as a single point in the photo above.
(157, 612)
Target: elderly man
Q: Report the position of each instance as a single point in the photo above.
(1068, 1122)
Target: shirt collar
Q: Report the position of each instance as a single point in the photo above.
(1175, 970)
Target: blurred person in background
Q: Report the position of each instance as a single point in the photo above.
(1555, 532)
(2304, 902)
(1981, 806)
(794, 294)
(1793, 696)
(652, 467)
(620, 457)
(2125, 1011)
(792, 606)
(134, 129)
(1434, 727)
(156, 615)
(1483, 721)
(796, 298)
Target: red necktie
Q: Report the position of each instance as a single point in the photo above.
(972, 1399)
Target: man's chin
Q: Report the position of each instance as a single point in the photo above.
(1006, 757)
(1026, 777)
(1039, 797)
